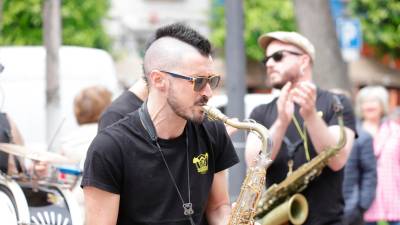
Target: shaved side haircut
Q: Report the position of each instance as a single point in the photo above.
(179, 32)
(187, 35)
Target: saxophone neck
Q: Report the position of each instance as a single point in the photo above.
(262, 132)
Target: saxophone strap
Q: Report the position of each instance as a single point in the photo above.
(146, 121)
(291, 149)
(303, 136)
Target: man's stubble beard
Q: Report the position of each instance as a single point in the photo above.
(173, 102)
(288, 75)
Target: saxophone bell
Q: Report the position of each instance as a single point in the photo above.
(294, 210)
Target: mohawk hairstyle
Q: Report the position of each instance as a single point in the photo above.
(184, 34)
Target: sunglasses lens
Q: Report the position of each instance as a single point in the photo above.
(200, 83)
(277, 56)
(214, 81)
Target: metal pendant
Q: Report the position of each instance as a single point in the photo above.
(188, 209)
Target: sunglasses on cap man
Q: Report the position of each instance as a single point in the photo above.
(198, 82)
(278, 56)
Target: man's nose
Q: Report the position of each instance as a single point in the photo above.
(206, 90)
(270, 62)
(268, 66)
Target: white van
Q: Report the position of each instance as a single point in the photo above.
(23, 86)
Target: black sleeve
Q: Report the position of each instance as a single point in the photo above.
(103, 165)
(257, 114)
(108, 118)
(348, 114)
(225, 154)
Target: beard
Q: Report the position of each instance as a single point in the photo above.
(286, 76)
(278, 85)
(187, 113)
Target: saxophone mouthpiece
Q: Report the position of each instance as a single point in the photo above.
(214, 113)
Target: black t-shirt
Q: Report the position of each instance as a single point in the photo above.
(123, 159)
(126, 103)
(324, 194)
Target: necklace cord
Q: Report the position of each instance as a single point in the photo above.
(188, 207)
(150, 129)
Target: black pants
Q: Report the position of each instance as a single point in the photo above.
(354, 219)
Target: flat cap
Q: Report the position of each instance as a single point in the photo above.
(293, 38)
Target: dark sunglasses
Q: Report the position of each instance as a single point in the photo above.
(278, 56)
(198, 82)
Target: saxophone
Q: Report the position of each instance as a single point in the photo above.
(280, 202)
(253, 185)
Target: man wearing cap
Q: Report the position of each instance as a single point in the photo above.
(302, 124)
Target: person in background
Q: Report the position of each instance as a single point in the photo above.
(302, 124)
(373, 106)
(129, 101)
(359, 183)
(89, 104)
(386, 205)
(360, 179)
(10, 164)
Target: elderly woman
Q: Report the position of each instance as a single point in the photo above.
(373, 102)
(371, 107)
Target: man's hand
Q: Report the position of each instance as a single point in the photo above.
(305, 95)
(285, 105)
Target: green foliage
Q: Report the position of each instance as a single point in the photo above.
(380, 21)
(22, 23)
(260, 16)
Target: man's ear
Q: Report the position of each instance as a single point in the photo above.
(158, 80)
(305, 62)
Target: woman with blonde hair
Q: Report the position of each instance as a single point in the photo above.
(373, 102)
(371, 107)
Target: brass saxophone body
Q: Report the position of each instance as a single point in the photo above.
(277, 205)
(253, 185)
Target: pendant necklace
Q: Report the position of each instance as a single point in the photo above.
(188, 206)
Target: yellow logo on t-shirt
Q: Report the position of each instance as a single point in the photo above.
(201, 162)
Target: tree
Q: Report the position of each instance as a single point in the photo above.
(380, 21)
(314, 21)
(22, 23)
(260, 17)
